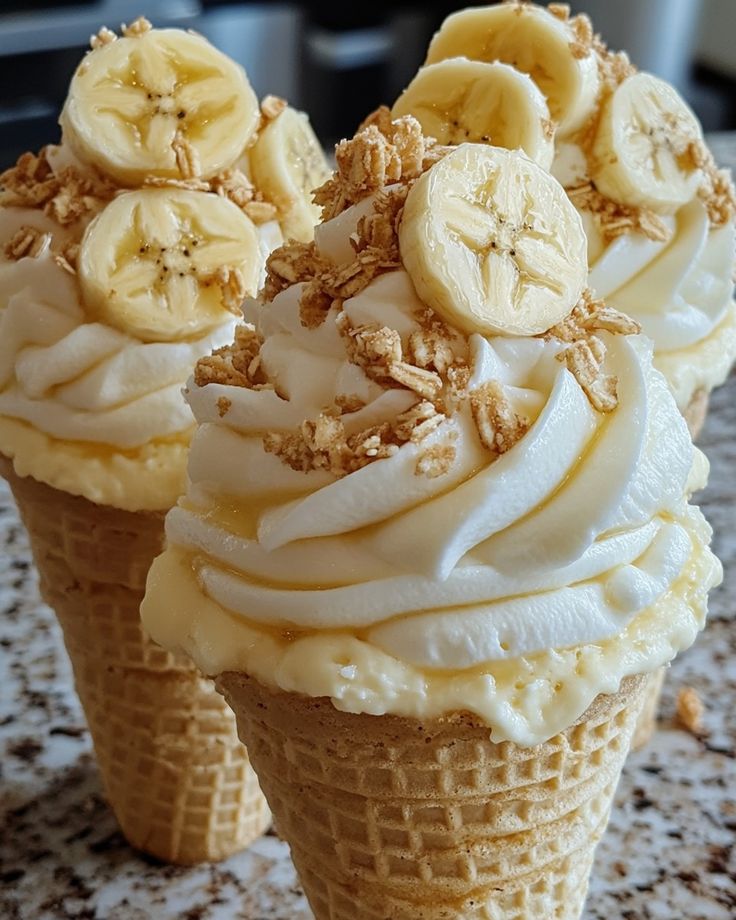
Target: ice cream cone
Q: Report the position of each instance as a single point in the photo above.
(176, 776)
(696, 412)
(408, 819)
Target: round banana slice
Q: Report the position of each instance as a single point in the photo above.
(532, 40)
(641, 153)
(165, 103)
(288, 163)
(166, 264)
(458, 100)
(492, 243)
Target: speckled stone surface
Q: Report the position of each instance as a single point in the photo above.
(669, 854)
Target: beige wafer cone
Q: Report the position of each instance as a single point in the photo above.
(393, 818)
(694, 414)
(696, 411)
(177, 777)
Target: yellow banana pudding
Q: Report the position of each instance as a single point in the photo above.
(127, 251)
(658, 214)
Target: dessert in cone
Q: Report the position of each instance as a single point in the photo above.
(176, 775)
(658, 213)
(661, 244)
(437, 537)
(127, 252)
(408, 818)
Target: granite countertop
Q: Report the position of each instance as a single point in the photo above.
(669, 853)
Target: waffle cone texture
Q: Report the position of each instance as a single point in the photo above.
(175, 773)
(392, 818)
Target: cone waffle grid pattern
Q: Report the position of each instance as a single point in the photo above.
(175, 772)
(393, 818)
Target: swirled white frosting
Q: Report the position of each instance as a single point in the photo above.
(680, 290)
(78, 382)
(564, 541)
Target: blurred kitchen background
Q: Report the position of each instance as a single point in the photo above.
(338, 61)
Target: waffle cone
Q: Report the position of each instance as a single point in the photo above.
(696, 411)
(176, 775)
(393, 818)
(646, 724)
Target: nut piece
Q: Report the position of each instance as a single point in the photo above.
(690, 710)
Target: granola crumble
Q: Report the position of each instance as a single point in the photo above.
(27, 242)
(499, 427)
(436, 461)
(690, 710)
(583, 42)
(136, 28)
(66, 197)
(104, 37)
(613, 219)
(232, 287)
(585, 351)
(237, 364)
(187, 158)
(272, 107)
(223, 406)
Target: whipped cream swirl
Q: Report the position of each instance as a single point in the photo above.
(680, 290)
(82, 381)
(562, 540)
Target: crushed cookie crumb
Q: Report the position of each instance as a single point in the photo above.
(27, 242)
(223, 406)
(690, 710)
(187, 158)
(614, 220)
(104, 37)
(436, 461)
(499, 427)
(136, 28)
(272, 107)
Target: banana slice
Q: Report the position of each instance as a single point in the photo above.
(458, 100)
(492, 243)
(165, 103)
(640, 156)
(534, 41)
(165, 264)
(288, 163)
